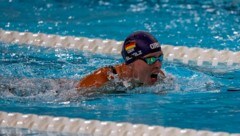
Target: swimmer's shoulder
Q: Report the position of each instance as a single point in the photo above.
(96, 79)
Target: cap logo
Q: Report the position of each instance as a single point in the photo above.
(155, 45)
(130, 46)
(128, 58)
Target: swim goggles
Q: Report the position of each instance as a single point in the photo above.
(152, 60)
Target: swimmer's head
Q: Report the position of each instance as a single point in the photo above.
(139, 44)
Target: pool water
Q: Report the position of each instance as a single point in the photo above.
(196, 97)
(206, 23)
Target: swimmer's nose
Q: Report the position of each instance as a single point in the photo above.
(157, 64)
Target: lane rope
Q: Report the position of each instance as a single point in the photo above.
(180, 53)
(94, 127)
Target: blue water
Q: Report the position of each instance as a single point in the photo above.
(201, 98)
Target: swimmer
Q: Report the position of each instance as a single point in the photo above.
(143, 60)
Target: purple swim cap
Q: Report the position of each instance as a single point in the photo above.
(139, 44)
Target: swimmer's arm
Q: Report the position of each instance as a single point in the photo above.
(94, 80)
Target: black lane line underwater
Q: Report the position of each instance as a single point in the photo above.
(233, 89)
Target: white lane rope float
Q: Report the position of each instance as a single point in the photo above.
(181, 53)
(94, 127)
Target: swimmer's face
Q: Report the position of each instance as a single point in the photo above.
(146, 73)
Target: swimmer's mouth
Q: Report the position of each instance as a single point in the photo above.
(154, 77)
